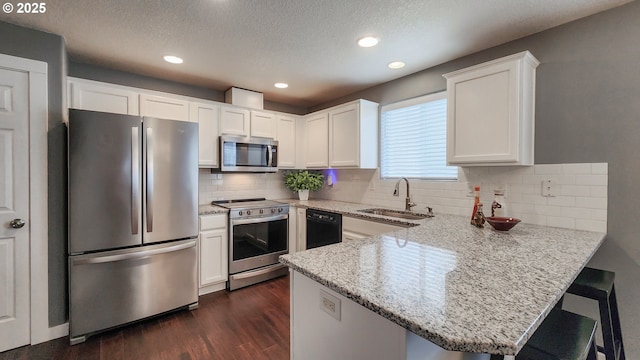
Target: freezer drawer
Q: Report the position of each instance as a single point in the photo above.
(111, 288)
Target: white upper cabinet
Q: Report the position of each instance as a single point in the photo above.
(207, 115)
(234, 121)
(316, 140)
(164, 107)
(286, 136)
(263, 124)
(344, 136)
(490, 112)
(97, 96)
(353, 135)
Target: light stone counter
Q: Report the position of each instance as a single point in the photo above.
(460, 287)
(208, 209)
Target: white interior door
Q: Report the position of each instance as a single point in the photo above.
(14, 209)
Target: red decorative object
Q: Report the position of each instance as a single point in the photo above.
(502, 223)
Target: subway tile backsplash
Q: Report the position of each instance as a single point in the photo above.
(580, 190)
(579, 201)
(240, 186)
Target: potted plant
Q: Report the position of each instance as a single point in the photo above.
(301, 181)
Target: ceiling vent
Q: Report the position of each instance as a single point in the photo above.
(246, 98)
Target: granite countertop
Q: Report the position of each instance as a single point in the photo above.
(460, 287)
(208, 209)
(351, 209)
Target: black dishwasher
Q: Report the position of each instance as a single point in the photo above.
(323, 228)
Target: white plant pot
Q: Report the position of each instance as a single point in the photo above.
(303, 195)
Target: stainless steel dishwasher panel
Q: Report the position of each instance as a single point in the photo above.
(111, 288)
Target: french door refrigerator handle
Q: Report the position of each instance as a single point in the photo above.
(133, 255)
(135, 180)
(149, 181)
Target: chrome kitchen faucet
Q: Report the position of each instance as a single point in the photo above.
(396, 192)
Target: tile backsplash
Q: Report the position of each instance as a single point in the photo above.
(579, 201)
(238, 186)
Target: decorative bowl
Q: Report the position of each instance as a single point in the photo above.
(502, 223)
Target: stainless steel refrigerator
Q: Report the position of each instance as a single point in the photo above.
(133, 219)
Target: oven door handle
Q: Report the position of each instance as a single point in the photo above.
(259, 219)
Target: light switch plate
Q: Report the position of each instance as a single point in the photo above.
(549, 188)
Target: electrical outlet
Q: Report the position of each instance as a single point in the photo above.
(330, 304)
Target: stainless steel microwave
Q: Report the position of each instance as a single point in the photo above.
(247, 154)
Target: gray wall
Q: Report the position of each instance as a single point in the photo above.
(587, 111)
(32, 44)
(588, 98)
(98, 73)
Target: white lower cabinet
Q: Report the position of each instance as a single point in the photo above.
(297, 229)
(327, 325)
(212, 253)
(355, 228)
(342, 330)
(301, 229)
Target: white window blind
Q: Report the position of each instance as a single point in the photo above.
(413, 137)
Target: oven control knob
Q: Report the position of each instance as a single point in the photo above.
(248, 212)
(273, 210)
(279, 209)
(240, 212)
(261, 211)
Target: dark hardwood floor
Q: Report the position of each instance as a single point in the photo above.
(249, 323)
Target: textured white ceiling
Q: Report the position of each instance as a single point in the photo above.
(310, 44)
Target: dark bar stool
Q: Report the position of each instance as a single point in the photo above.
(598, 285)
(562, 335)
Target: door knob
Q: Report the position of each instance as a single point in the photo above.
(17, 223)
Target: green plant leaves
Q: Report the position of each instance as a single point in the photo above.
(303, 180)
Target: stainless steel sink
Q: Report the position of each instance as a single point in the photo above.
(397, 213)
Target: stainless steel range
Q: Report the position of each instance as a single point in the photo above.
(258, 235)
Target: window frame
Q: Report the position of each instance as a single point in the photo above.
(418, 100)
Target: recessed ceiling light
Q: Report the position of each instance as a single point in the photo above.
(281, 85)
(368, 41)
(173, 59)
(396, 65)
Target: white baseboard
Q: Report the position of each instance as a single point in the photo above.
(52, 333)
(211, 288)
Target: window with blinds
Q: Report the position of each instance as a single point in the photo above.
(414, 139)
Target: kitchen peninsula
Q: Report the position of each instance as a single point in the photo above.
(469, 291)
